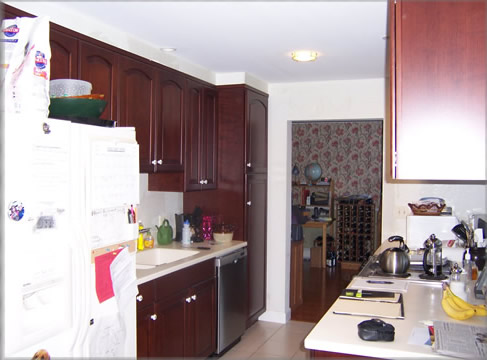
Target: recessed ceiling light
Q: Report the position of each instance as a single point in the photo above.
(304, 55)
(168, 49)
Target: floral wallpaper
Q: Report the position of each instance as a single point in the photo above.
(349, 152)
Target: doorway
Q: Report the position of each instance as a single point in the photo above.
(349, 154)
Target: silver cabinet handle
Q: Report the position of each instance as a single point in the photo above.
(249, 203)
(159, 162)
(249, 164)
(201, 182)
(193, 297)
(153, 162)
(140, 298)
(188, 299)
(205, 181)
(153, 317)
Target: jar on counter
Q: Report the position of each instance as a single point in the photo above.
(458, 283)
(148, 240)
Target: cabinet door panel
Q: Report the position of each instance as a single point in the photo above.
(208, 140)
(192, 138)
(137, 86)
(255, 222)
(203, 311)
(144, 331)
(169, 125)
(440, 74)
(256, 153)
(64, 55)
(100, 67)
(170, 328)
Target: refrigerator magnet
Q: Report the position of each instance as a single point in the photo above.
(16, 210)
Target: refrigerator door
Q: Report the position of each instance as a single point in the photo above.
(38, 248)
(106, 159)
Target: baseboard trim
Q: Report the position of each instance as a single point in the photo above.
(276, 317)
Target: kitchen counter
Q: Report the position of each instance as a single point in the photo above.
(154, 272)
(422, 303)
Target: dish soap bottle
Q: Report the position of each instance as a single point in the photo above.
(186, 241)
(140, 239)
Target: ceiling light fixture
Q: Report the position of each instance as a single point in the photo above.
(168, 49)
(304, 55)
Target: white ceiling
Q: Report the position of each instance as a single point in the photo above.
(258, 37)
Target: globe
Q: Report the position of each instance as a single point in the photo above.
(312, 171)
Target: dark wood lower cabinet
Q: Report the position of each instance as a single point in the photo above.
(176, 316)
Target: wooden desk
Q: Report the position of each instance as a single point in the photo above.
(323, 225)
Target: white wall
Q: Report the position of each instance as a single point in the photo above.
(155, 204)
(355, 99)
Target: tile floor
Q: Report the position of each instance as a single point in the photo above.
(267, 340)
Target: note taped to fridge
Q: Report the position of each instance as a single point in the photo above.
(104, 285)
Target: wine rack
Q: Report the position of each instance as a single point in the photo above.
(354, 231)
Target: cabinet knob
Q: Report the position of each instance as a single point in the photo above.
(201, 182)
(153, 162)
(249, 164)
(140, 298)
(153, 317)
(249, 203)
(188, 299)
(159, 162)
(193, 297)
(205, 181)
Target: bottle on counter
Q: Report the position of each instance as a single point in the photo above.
(468, 264)
(148, 240)
(140, 239)
(186, 241)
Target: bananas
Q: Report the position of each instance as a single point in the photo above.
(459, 309)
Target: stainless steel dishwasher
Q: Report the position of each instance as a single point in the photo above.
(232, 298)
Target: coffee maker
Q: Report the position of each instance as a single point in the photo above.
(433, 259)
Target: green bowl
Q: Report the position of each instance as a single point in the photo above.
(89, 108)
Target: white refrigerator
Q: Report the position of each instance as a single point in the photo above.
(70, 224)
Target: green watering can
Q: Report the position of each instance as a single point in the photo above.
(164, 233)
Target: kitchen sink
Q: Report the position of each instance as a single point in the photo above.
(159, 256)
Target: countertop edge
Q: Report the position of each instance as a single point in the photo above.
(147, 275)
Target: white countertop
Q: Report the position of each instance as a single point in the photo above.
(216, 250)
(422, 302)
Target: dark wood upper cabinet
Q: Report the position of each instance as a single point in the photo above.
(256, 142)
(438, 78)
(200, 139)
(99, 66)
(192, 138)
(168, 132)
(136, 105)
(64, 55)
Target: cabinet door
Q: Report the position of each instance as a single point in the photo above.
(64, 55)
(192, 138)
(202, 340)
(170, 326)
(255, 235)
(145, 332)
(136, 95)
(168, 133)
(208, 140)
(100, 67)
(256, 132)
(440, 89)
